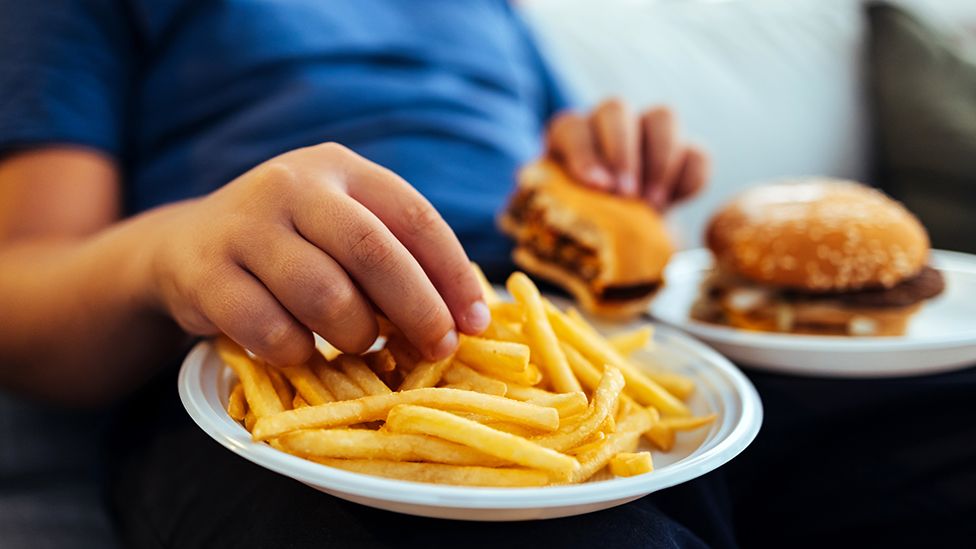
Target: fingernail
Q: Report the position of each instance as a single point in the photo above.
(658, 196)
(599, 176)
(446, 345)
(478, 317)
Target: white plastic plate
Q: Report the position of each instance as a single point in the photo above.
(204, 384)
(941, 336)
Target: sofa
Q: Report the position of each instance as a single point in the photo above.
(772, 88)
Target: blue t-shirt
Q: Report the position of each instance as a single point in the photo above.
(188, 94)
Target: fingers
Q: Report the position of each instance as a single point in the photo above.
(572, 143)
(693, 176)
(314, 288)
(425, 234)
(241, 307)
(386, 271)
(662, 155)
(617, 138)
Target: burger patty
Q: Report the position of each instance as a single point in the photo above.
(927, 284)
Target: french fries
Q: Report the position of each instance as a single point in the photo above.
(376, 407)
(542, 338)
(628, 464)
(442, 474)
(540, 398)
(630, 342)
(406, 418)
(367, 444)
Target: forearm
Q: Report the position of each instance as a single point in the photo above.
(77, 321)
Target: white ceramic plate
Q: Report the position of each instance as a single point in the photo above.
(204, 384)
(941, 337)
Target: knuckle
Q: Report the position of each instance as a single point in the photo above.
(431, 322)
(335, 303)
(373, 251)
(331, 148)
(278, 176)
(421, 218)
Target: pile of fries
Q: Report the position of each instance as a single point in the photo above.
(540, 398)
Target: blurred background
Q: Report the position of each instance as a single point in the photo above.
(774, 88)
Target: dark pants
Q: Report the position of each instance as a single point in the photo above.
(888, 463)
(861, 463)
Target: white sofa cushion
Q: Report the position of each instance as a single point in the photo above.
(772, 88)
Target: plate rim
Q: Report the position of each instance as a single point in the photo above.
(191, 393)
(958, 261)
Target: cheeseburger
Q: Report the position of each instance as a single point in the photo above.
(609, 252)
(817, 256)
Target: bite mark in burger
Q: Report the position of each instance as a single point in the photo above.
(818, 256)
(609, 252)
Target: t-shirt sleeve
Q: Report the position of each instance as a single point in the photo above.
(65, 73)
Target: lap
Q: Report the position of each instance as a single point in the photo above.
(881, 462)
(174, 487)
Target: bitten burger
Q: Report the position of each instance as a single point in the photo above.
(608, 251)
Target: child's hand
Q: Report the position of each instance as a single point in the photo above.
(613, 150)
(310, 241)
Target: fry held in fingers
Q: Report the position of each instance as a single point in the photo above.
(485, 415)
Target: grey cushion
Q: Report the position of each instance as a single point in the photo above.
(924, 87)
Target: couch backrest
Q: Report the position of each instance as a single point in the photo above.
(772, 88)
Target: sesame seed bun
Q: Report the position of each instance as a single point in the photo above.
(818, 235)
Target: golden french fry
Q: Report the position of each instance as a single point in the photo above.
(568, 404)
(335, 381)
(356, 370)
(406, 356)
(489, 355)
(438, 473)
(508, 312)
(366, 444)
(626, 464)
(408, 418)
(250, 418)
(258, 391)
(487, 290)
(628, 342)
(495, 423)
(380, 361)
(459, 373)
(426, 374)
(622, 440)
(604, 399)
(585, 371)
(661, 436)
(594, 347)
(375, 407)
(589, 445)
(676, 384)
(504, 332)
(298, 402)
(459, 386)
(236, 405)
(281, 386)
(687, 423)
(307, 384)
(530, 376)
(542, 338)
